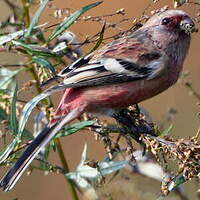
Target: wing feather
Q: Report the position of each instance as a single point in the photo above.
(126, 59)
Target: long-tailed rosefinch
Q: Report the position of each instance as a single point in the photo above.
(122, 73)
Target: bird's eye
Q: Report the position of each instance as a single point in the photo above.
(166, 21)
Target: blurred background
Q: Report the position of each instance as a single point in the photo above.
(176, 100)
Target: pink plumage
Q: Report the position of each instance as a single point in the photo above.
(122, 73)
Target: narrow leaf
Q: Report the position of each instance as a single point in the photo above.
(6, 77)
(3, 116)
(13, 117)
(70, 129)
(93, 173)
(81, 181)
(5, 153)
(70, 20)
(83, 156)
(166, 131)
(7, 38)
(110, 167)
(36, 17)
(44, 63)
(31, 104)
(175, 182)
(33, 49)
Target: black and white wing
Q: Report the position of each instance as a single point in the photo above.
(126, 59)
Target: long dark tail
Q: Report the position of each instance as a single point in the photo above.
(13, 175)
(22, 163)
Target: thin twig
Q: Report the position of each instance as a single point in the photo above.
(66, 169)
(25, 5)
(192, 90)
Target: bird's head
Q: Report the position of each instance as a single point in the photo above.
(173, 21)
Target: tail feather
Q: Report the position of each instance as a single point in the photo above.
(12, 176)
(22, 163)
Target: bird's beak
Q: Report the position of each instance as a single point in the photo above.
(188, 26)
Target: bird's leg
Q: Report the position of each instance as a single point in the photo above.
(123, 118)
(133, 125)
(132, 121)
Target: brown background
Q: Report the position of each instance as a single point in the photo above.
(37, 186)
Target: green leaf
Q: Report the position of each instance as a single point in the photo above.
(8, 23)
(27, 111)
(112, 166)
(26, 134)
(7, 38)
(84, 172)
(33, 50)
(31, 104)
(13, 117)
(3, 115)
(5, 153)
(36, 17)
(166, 131)
(45, 63)
(83, 156)
(70, 129)
(6, 77)
(175, 182)
(70, 20)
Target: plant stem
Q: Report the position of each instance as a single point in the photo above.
(192, 90)
(66, 169)
(26, 13)
(57, 141)
(58, 144)
(35, 77)
(39, 90)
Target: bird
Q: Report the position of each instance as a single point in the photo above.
(124, 72)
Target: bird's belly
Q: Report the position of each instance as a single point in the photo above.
(125, 94)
